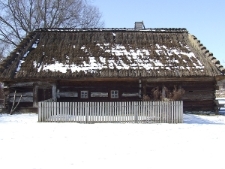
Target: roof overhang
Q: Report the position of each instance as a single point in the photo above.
(220, 77)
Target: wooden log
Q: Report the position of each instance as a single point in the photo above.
(68, 94)
(99, 94)
(130, 94)
(22, 84)
(23, 99)
(25, 94)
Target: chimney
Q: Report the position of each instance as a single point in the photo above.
(139, 25)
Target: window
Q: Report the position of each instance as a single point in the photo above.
(84, 94)
(114, 94)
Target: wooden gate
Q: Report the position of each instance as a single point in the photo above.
(97, 112)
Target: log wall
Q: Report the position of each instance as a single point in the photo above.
(199, 94)
(98, 91)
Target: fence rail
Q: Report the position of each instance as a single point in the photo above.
(124, 112)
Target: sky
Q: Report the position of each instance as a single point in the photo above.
(202, 18)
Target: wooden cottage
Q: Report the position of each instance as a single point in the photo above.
(111, 65)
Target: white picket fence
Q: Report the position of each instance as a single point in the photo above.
(124, 112)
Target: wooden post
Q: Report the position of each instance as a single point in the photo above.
(140, 87)
(54, 94)
(35, 96)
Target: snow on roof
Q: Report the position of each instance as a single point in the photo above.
(135, 59)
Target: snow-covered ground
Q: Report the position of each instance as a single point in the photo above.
(199, 142)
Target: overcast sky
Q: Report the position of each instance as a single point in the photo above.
(203, 18)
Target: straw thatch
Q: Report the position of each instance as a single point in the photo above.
(69, 53)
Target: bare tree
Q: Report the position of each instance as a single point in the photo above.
(18, 17)
(1, 53)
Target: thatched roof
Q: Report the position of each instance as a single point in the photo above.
(77, 53)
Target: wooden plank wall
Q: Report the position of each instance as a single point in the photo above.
(98, 90)
(27, 96)
(199, 95)
(121, 112)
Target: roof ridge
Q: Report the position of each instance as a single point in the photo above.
(181, 30)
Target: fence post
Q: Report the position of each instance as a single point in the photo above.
(45, 110)
(135, 111)
(39, 111)
(180, 111)
(86, 111)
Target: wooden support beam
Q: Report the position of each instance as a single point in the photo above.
(140, 87)
(35, 96)
(54, 92)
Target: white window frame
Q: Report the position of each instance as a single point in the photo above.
(84, 94)
(114, 94)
